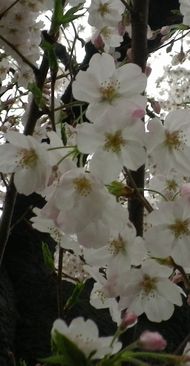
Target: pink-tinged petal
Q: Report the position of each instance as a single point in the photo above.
(138, 113)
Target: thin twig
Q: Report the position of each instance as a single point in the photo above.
(7, 9)
(23, 58)
(139, 195)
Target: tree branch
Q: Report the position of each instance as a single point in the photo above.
(139, 20)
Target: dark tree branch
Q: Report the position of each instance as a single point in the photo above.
(139, 20)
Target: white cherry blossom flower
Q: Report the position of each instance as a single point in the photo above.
(148, 290)
(106, 88)
(105, 13)
(168, 184)
(114, 145)
(84, 333)
(28, 159)
(169, 144)
(170, 231)
(122, 249)
(78, 199)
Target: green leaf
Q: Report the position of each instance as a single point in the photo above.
(70, 15)
(48, 257)
(73, 299)
(37, 94)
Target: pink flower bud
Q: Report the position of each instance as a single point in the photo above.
(129, 320)
(152, 341)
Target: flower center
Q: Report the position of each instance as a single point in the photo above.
(173, 140)
(101, 296)
(180, 228)
(106, 32)
(103, 9)
(28, 158)
(109, 90)
(114, 141)
(148, 284)
(82, 185)
(117, 246)
(171, 185)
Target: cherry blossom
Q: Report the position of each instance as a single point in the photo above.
(105, 13)
(28, 159)
(169, 144)
(114, 145)
(148, 289)
(170, 231)
(84, 333)
(72, 200)
(108, 89)
(122, 249)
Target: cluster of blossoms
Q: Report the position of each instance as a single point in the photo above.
(21, 33)
(81, 213)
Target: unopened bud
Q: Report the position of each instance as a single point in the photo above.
(152, 341)
(129, 320)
